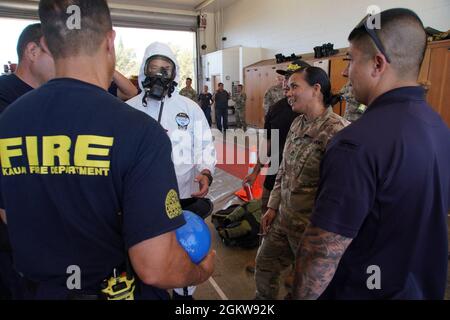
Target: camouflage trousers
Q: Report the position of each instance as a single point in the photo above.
(264, 200)
(240, 118)
(250, 267)
(276, 254)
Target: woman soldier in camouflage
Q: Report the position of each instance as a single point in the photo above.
(292, 198)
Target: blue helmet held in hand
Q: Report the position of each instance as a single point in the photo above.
(194, 237)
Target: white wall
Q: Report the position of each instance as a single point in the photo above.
(212, 65)
(230, 67)
(247, 57)
(229, 64)
(296, 26)
(208, 36)
(223, 63)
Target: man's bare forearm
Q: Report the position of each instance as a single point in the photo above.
(163, 263)
(192, 274)
(318, 257)
(125, 88)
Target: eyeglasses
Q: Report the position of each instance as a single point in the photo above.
(364, 25)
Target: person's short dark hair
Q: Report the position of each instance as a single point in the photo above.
(31, 33)
(220, 84)
(188, 79)
(315, 75)
(402, 36)
(63, 41)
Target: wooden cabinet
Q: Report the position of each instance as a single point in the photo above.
(261, 76)
(337, 66)
(252, 77)
(434, 74)
(424, 69)
(257, 79)
(438, 78)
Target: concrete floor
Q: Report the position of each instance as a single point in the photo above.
(230, 280)
(230, 274)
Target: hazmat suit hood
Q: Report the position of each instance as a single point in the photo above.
(162, 49)
(185, 123)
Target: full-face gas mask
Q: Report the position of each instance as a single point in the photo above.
(160, 73)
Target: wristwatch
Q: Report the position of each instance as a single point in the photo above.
(209, 176)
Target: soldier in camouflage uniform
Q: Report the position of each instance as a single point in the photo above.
(239, 105)
(292, 198)
(189, 92)
(273, 94)
(353, 109)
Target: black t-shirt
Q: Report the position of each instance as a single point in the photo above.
(73, 158)
(113, 89)
(221, 99)
(11, 88)
(279, 117)
(385, 183)
(205, 100)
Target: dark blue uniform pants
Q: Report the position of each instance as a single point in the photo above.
(207, 112)
(11, 285)
(222, 115)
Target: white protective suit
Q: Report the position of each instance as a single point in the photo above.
(192, 144)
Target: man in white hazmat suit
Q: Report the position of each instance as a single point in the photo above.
(193, 151)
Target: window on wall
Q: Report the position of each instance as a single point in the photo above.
(130, 46)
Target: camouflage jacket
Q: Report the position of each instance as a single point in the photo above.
(353, 109)
(239, 101)
(272, 96)
(298, 176)
(189, 93)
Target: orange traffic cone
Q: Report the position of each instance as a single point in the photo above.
(255, 191)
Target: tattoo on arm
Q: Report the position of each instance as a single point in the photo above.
(318, 257)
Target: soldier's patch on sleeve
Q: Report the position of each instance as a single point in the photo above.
(173, 206)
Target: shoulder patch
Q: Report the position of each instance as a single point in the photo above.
(182, 120)
(173, 206)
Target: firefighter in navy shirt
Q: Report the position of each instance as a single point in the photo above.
(379, 227)
(34, 69)
(77, 168)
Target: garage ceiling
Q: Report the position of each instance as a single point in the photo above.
(184, 5)
(167, 14)
(188, 5)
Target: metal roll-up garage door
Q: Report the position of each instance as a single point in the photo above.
(121, 17)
